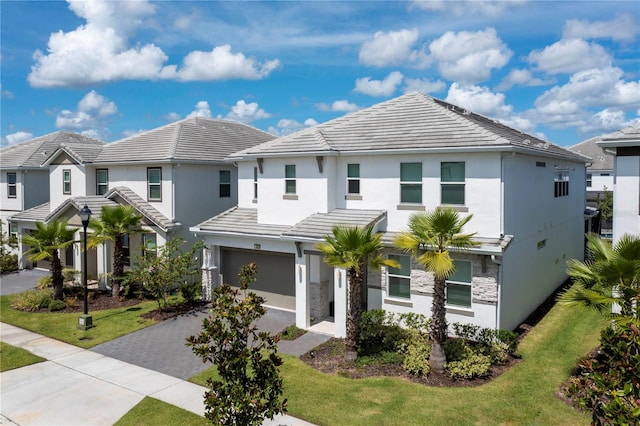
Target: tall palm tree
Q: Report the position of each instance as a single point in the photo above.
(430, 237)
(46, 242)
(609, 277)
(115, 222)
(354, 248)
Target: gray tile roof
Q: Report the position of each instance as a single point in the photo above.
(94, 202)
(240, 221)
(410, 122)
(628, 134)
(147, 210)
(190, 140)
(318, 225)
(79, 152)
(32, 153)
(34, 214)
(599, 158)
(486, 245)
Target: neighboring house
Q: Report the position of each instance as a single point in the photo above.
(24, 183)
(624, 145)
(175, 176)
(599, 175)
(378, 166)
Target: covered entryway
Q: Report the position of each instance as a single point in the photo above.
(275, 279)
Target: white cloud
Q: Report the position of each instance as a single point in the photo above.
(129, 133)
(287, 126)
(423, 85)
(621, 28)
(469, 8)
(6, 94)
(386, 87)
(219, 64)
(90, 117)
(123, 17)
(469, 57)
(338, 106)
(172, 116)
(202, 110)
(568, 56)
(609, 119)
(16, 137)
(247, 112)
(521, 77)
(392, 48)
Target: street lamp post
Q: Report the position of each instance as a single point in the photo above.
(85, 321)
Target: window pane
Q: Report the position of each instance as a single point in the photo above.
(354, 186)
(411, 193)
(399, 287)
(154, 175)
(290, 171)
(405, 265)
(101, 176)
(459, 295)
(452, 172)
(225, 190)
(453, 194)
(225, 176)
(11, 178)
(155, 192)
(290, 186)
(353, 170)
(411, 172)
(462, 273)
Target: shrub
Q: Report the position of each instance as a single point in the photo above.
(455, 349)
(69, 274)
(8, 263)
(190, 292)
(44, 282)
(384, 357)
(379, 332)
(416, 349)
(497, 344)
(71, 301)
(31, 300)
(472, 365)
(57, 305)
(608, 384)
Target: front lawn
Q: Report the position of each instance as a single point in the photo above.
(151, 411)
(12, 357)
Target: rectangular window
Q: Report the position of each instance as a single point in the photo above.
(353, 178)
(13, 230)
(11, 185)
(400, 278)
(561, 183)
(411, 183)
(589, 180)
(541, 164)
(149, 247)
(126, 250)
(542, 243)
(459, 285)
(66, 181)
(102, 181)
(452, 177)
(154, 184)
(255, 183)
(225, 183)
(290, 179)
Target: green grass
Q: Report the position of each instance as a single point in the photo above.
(151, 411)
(12, 357)
(110, 323)
(524, 395)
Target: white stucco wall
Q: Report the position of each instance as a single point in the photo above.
(78, 183)
(601, 181)
(626, 198)
(11, 205)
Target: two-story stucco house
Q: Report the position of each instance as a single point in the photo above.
(24, 184)
(625, 146)
(174, 176)
(380, 165)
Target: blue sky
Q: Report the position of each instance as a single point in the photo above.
(562, 70)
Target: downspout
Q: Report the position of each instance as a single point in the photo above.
(173, 192)
(498, 261)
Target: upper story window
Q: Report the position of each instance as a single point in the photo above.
(66, 181)
(353, 178)
(225, 183)
(561, 183)
(400, 278)
(154, 184)
(452, 176)
(102, 181)
(411, 183)
(589, 180)
(459, 285)
(290, 179)
(12, 191)
(255, 183)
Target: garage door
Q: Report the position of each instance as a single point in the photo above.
(275, 279)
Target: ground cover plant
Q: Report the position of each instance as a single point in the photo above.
(12, 357)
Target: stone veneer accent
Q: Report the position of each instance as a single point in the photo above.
(319, 309)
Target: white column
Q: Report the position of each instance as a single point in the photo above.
(210, 276)
(340, 301)
(303, 292)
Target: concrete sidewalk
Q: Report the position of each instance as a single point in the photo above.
(76, 386)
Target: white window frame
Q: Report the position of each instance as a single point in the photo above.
(290, 179)
(12, 187)
(353, 178)
(225, 184)
(153, 184)
(255, 183)
(102, 187)
(404, 184)
(444, 183)
(66, 181)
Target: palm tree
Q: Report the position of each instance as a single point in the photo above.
(45, 242)
(430, 237)
(609, 277)
(115, 222)
(353, 248)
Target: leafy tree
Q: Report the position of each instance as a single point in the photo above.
(609, 277)
(247, 360)
(606, 204)
(115, 222)
(353, 248)
(165, 272)
(45, 242)
(430, 237)
(8, 259)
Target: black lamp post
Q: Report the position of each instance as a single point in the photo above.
(85, 321)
